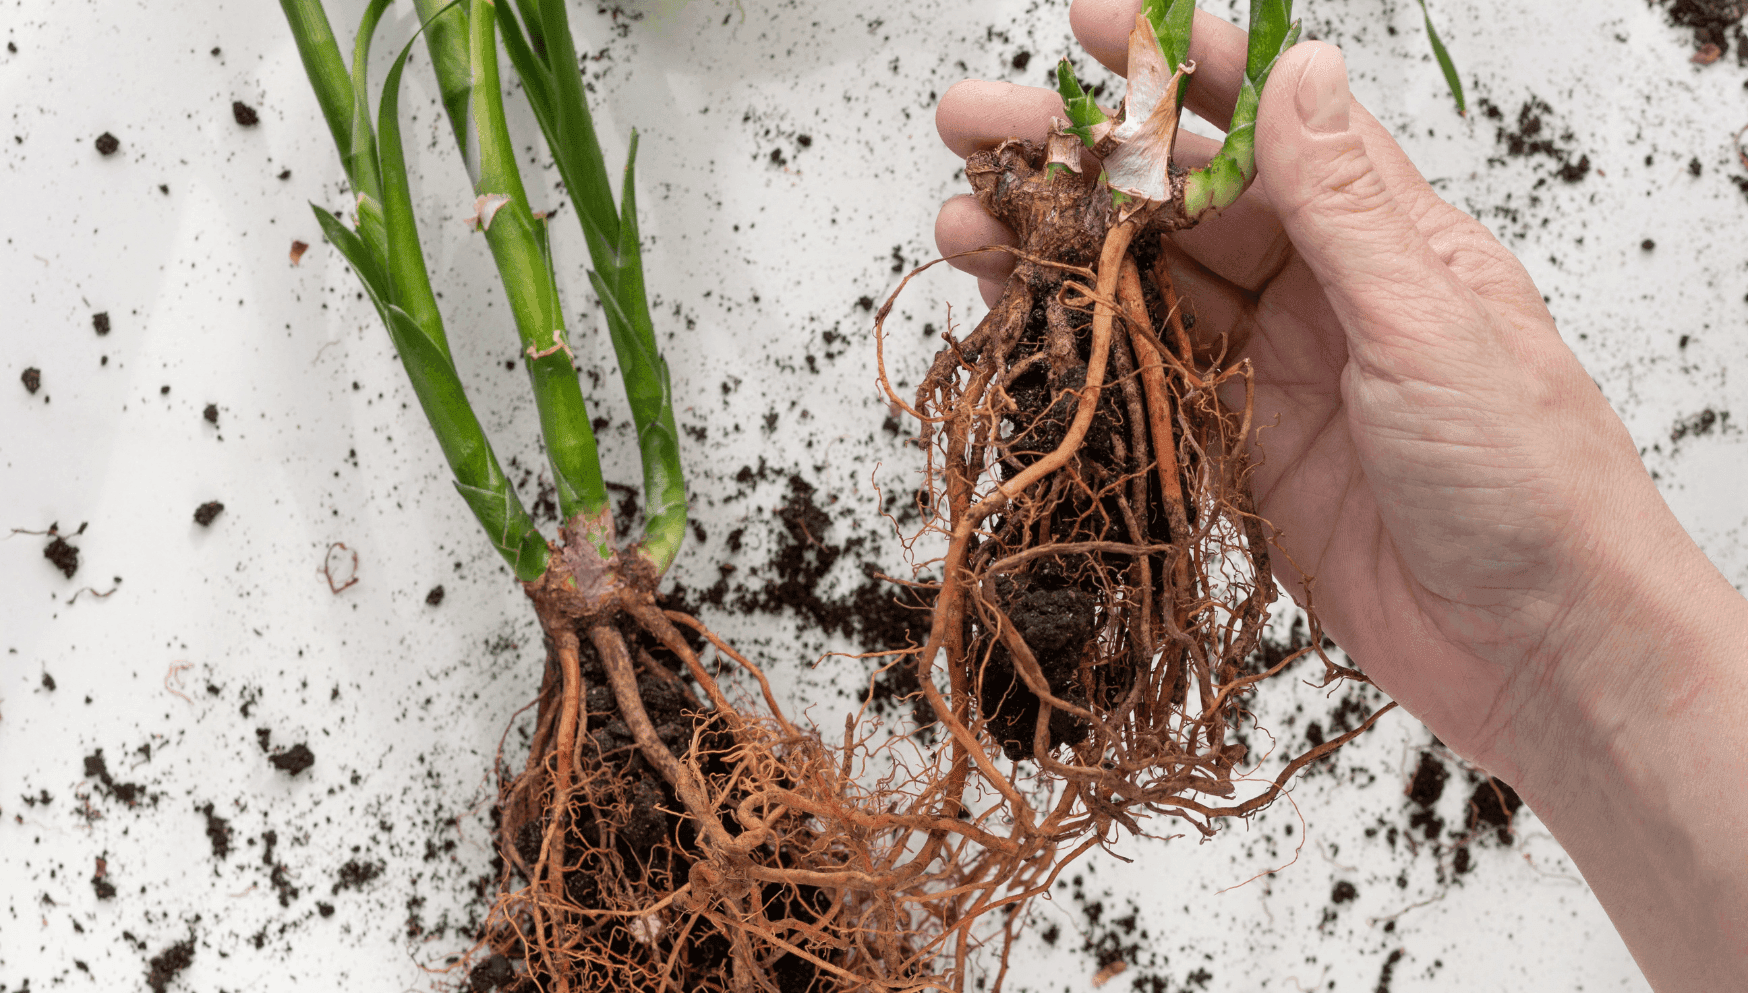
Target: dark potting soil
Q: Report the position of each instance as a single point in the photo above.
(218, 832)
(107, 143)
(97, 767)
(434, 597)
(32, 379)
(64, 556)
(211, 414)
(1533, 134)
(244, 114)
(100, 883)
(293, 760)
(207, 512)
(1713, 22)
(166, 964)
(100, 323)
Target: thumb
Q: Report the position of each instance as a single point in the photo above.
(1399, 303)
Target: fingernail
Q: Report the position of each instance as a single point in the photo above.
(1323, 95)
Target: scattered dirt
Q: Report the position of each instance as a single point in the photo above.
(166, 964)
(354, 874)
(434, 597)
(1700, 424)
(107, 143)
(1387, 972)
(207, 512)
(64, 556)
(1534, 136)
(100, 883)
(211, 414)
(218, 832)
(100, 323)
(293, 760)
(32, 379)
(244, 114)
(97, 767)
(1715, 24)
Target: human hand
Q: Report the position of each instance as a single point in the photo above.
(1472, 520)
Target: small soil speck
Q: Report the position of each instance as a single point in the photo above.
(295, 759)
(244, 114)
(218, 832)
(1022, 60)
(285, 174)
(107, 143)
(1344, 892)
(48, 682)
(100, 883)
(325, 909)
(435, 597)
(210, 413)
(866, 303)
(1647, 245)
(207, 512)
(64, 556)
(100, 323)
(355, 874)
(32, 379)
(166, 964)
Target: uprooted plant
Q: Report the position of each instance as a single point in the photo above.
(671, 831)
(1107, 578)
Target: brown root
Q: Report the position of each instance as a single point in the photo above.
(1098, 615)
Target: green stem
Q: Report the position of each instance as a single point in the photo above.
(392, 270)
(519, 246)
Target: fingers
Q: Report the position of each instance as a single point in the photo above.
(1216, 47)
(977, 114)
(963, 226)
(1403, 309)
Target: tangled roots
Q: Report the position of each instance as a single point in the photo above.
(1098, 615)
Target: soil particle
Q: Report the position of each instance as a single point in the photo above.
(1344, 892)
(1425, 790)
(1700, 424)
(1496, 804)
(207, 512)
(100, 883)
(294, 760)
(1534, 136)
(1388, 971)
(1647, 245)
(435, 597)
(97, 767)
(48, 682)
(1714, 23)
(354, 874)
(100, 323)
(244, 114)
(211, 414)
(218, 832)
(490, 974)
(107, 143)
(166, 964)
(32, 379)
(865, 302)
(64, 556)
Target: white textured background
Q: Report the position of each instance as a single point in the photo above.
(758, 264)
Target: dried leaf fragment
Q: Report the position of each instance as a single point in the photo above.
(297, 250)
(486, 207)
(1707, 54)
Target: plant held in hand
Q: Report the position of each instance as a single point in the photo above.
(1107, 577)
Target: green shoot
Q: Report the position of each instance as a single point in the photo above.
(1445, 64)
(555, 91)
(518, 243)
(1224, 178)
(1083, 113)
(392, 270)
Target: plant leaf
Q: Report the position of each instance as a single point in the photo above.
(1172, 21)
(1445, 64)
(1083, 113)
(1269, 23)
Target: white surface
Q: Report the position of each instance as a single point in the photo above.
(403, 704)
